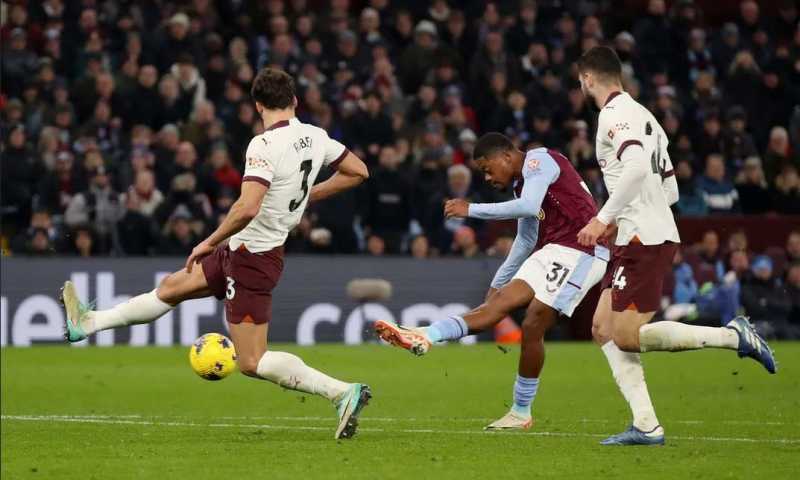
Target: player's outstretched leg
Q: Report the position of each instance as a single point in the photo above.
(737, 335)
(538, 319)
(81, 320)
(419, 340)
(628, 373)
(289, 371)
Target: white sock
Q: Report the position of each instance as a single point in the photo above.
(289, 371)
(675, 337)
(629, 375)
(142, 309)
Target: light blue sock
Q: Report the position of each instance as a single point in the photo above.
(451, 328)
(524, 393)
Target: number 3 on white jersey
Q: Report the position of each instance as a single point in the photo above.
(619, 279)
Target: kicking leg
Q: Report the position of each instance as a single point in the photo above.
(626, 367)
(419, 340)
(289, 371)
(81, 321)
(538, 320)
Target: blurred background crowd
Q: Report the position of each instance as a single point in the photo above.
(124, 123)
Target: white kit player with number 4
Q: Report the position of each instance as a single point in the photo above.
(631, 149)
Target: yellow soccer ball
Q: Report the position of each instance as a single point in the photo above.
(213, 356)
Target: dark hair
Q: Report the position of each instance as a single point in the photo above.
(273, 88)
(490, 144)
(602, 61)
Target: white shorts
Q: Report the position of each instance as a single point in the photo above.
(561, 276)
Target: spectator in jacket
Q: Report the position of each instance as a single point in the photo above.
(752, 186)
(765, 299)
(98, 207)
(718, 192)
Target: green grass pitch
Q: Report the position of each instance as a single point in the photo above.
(119, 413)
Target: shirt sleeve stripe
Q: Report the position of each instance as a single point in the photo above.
(335, 163)
(626, 144)
(668, 174)
(253, 178)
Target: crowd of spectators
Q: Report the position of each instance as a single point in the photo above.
(124, 123)
(712, 282)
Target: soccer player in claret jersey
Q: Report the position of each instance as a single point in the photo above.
(631, 149)
(552, 203)
(242, 260)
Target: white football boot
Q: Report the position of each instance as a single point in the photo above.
(511, 421)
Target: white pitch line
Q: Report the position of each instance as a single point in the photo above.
(415, 419)
(107, 421)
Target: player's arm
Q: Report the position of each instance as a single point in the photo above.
(521, 249)
(537, 181)
(635, 168)
(350, 172)
(243, 210)
(669, 184)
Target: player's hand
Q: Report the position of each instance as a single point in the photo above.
(591, 232)
(456, 208)
(608, 237)
(201, 250)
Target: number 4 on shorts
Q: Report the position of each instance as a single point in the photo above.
(619, 279)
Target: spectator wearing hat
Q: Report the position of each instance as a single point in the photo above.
(99, 207)
(418, 58)
(764, 298)
(754, 195)
(466, 143)
(718, 192)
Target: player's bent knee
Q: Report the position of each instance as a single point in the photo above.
(537, 321)
(626, 339)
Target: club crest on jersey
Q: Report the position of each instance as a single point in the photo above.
(533, 164)
(541, 215)
(602, 162)
(611, 134)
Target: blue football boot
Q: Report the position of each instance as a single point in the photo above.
(751, 344)
(634, 436)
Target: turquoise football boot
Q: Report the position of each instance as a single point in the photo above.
(76, 313)
(349, 407)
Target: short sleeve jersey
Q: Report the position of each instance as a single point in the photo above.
(623, 122)
(287, 158)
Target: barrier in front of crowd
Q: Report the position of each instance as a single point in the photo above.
(310, 304)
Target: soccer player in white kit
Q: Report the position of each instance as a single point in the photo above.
(631, 148)
(281, 166)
